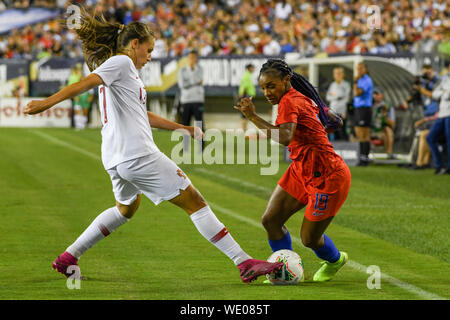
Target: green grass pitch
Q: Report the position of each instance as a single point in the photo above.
(52, 185)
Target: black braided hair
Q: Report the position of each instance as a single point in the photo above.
(300, 84)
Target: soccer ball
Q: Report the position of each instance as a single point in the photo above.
(292, 271)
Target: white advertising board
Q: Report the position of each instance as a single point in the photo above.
(11, 114)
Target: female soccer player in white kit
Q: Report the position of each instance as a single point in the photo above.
(115, 53)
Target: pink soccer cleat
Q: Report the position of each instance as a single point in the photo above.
(251, 269)
(63, 262)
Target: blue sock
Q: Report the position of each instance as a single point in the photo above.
(283, 243)
(328, 252)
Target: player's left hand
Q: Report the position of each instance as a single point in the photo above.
(246, 106)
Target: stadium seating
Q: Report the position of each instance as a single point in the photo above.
(244, 27)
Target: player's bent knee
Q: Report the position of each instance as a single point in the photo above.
(190, 200)
(266, 221)
(195, 199)
(270, 222)
(129, 210)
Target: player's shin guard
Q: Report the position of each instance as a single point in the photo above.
(328, 252)
(108, 221)
(216, 233)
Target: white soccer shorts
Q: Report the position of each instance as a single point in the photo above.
(155, 175)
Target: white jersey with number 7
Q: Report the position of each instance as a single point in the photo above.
(126, 132)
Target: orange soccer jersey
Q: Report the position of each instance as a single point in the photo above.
(317, 177)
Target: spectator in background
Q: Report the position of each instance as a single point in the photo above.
(44, 53)
(324, 39)
(338, 96)
(45, 3)
(341, 41)
(57, 49)
(247, 89)
(420, 146)
(82, 104)
(332, 48)
(372, 46)
(425, 86)
(21, 4)
(426, 44)
(283, 10)
(205, 47)
(362, 102)
(422, 93)
(355, 45)
(272, 47)
(386, 46)
(441, 127)
(46, 41)
(192, 93)
(160, 47)
(249, 48)
(76, 73)
(286, 44)
(444, 41)
(383, 122)
(180, 22)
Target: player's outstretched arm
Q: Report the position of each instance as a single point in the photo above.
(37, 106)
(162, 123)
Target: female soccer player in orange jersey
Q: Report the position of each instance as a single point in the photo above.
(317, 179)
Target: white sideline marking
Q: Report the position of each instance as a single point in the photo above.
(269, 191)
(244, 183)
(353, 264)
(67, 145)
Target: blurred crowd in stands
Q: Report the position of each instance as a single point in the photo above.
(24, 4)
(225, 27)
